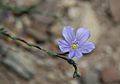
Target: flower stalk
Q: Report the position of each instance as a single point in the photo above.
(50, 53)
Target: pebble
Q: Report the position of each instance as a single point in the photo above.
(74, 82)
(17, 61)
(90, 21)
(74, 13)
(91, 77)
(115, 9)
(68, 3)
(110, 74)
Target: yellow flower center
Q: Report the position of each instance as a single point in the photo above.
(74, 46)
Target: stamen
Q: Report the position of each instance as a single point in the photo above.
(74, 46)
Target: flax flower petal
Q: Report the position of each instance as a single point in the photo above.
(63, 45)
(87, 47)
(68, 34)
(82, 35)
(78, 53)
(71, 54)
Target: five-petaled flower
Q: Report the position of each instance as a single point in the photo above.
(76, 43)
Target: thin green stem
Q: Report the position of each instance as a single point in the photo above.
(50, 53)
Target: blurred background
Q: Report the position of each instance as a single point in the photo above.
(41, 22)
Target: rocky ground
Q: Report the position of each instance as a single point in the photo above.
(20, 64)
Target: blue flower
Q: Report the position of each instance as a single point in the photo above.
(76, 43)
